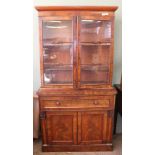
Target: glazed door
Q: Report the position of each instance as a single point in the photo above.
(95, 40)
(58, 50)
(94, 127)
(76, 50)
(61, 128)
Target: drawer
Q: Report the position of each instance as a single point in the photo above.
(74, 103)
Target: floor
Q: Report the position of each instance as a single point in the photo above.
(117, 142)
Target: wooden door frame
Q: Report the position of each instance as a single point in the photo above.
(111, 50)
(74, 44)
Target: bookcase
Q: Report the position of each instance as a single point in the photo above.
(76, 97)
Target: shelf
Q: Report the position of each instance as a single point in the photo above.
(94, 75)
(57, 44)
(93, 82)
(95, 43)
(58, 38)
(59, 82)
(58, 67)
(94, 67)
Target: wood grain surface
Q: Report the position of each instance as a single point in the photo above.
(76, 98)
(117, 141)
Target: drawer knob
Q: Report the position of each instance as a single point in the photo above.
(95, 102)
(57, 103)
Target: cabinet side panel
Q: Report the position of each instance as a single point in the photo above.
(109, 126)
(43, 127)
(105, 122)
(41, 50)
(112, 51)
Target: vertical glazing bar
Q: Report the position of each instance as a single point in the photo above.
(74, 52)
(78, 51)
(111, 51)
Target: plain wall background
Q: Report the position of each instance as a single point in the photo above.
(118, 34)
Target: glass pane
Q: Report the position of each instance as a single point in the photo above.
(92, 76)
(56, 31)
(58, 75)
(95, 63)
(57, 52)
(95, 54)
(95, 31)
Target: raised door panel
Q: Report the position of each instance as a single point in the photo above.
(94, 127)
(61, 127)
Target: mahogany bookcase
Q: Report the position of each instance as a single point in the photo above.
(76, 97)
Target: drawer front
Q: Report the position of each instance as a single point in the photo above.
(46, 104)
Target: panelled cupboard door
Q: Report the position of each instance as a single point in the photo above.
(95, 49)
(94, 127)
(58, 50)
(61, 128)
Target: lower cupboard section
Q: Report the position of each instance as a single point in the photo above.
(73, 131)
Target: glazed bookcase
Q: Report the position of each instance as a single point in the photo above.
(76, 97)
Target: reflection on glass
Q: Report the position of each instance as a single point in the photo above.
(58, 76)
(95, 30)
(95, 44)
(56, 27)
(94, 76)
(58, 64)
(95, 54)
(58, 52)
(107, 29)
(57, 31)
(95, 63)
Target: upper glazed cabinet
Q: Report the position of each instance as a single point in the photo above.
(76, 49)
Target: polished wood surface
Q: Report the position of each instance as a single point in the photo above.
(76, 8)
(72, 103)
(118, 104)
(76, 97)
(92, 127)
(61, 128)
(60, 45)
(117, 142)
(36, 123)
